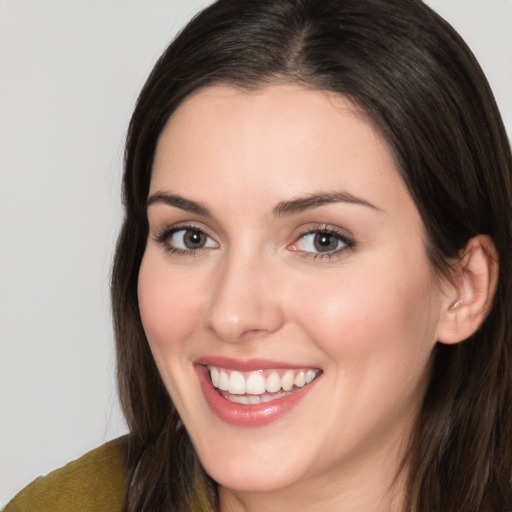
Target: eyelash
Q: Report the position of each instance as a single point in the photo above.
(164, 237)
(348, 243)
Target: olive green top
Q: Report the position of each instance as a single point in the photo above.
(93, 483)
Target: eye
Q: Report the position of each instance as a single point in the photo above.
(185, 240)
(190, 239)
(322, 242)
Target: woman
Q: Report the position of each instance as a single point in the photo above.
(311, 285)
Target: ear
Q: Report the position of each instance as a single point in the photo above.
(470, 292)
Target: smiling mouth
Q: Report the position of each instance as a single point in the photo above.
(259, 386)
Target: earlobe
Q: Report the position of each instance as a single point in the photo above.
(471, 292)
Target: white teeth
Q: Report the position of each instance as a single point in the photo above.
(214, 374)
(223, 381)
(310, 375)
(255, 384)
(300, 380)
(273, 382)
(239, 399)
(253, 387)
(253, 399)
(287, 380)
(236, 383)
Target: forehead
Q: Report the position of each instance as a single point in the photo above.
(275, 140)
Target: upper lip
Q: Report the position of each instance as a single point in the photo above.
(246, 365)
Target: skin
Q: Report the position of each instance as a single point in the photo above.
(367, 315)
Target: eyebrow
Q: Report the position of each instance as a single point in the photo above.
(282, 209)
(178, 202)
(294, 206)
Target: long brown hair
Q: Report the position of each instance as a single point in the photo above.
(425, 92)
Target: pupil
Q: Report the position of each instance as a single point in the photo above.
(194, 239)
(325, 242)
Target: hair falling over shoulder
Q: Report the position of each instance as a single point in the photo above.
(425, 92)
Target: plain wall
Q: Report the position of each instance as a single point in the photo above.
(70, 71)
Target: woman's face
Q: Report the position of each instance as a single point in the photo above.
(286, 262)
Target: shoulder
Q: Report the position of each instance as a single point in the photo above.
(94, 482)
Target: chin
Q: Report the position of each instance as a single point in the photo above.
(253, 480)
(251, 470)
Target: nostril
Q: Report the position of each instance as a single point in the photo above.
(254, 334)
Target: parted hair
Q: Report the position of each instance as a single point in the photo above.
(424, 91)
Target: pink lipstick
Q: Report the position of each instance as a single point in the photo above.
(253, 393)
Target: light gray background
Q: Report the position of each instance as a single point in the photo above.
(70, 71)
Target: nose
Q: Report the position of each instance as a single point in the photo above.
(244, 304)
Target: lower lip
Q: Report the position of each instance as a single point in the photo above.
(248, 415)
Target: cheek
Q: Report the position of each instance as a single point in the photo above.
(378, 339)
(361, 315)
(170, 313)
(169, 305)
